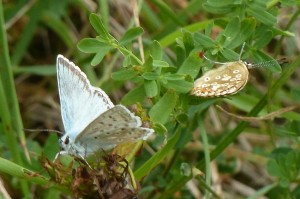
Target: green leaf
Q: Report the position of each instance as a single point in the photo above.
(173, 76)
(150, 76)
(160, 64)
(223, 3)
(285, 132)
(91, 45)
(157, 157)
(133, 96)
(99, 27)
(126, 61)
(262, 15)
(209, 28)
(50, 146)
(161, 111)
(188, 41)
(295, 92)
(182, 118)
(191, 66)
(168, 12)
(37, 70)
(180, 86)
(230, 55)
(155, 50)
(203, 40)
(218, 9)
(124, 74)
(232, 30)
(285, 165)
(180, 55)
(159, 128)
(130, 35)
(171, 38)
(265, 61)
(151, 88)
(148, 65)
(99, 56)
(59, 26)
(247, 30)
(263, 39)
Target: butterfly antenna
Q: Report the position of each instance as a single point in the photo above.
(268, 63)
(215, 62)
(45, 130)
(241, 52)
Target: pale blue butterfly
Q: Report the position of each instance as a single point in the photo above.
(91, 121)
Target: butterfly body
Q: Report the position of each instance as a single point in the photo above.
(91, 121)
(228, 79)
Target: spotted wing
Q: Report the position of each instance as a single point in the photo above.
(115, 126)
(225, 80)
(80, 102)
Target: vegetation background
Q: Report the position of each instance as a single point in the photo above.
(198, 151)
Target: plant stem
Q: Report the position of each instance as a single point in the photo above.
(10, 113)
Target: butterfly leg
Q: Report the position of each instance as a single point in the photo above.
(85, 161)
(60, 153)
(66, 153)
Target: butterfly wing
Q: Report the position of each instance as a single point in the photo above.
(115, 126)
(80, 102)
(225, 80)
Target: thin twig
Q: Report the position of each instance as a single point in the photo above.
(45, 130)
(137, 23)
(21, 12)
(268, 116)
(3, 191)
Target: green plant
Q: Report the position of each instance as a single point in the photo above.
(163, 79)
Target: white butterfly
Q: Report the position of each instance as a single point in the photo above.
(91, 121)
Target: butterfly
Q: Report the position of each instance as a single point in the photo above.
(228, 79)
(91, 121)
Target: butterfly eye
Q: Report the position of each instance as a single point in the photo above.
(67, 140)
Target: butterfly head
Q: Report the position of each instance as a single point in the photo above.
(64, 142)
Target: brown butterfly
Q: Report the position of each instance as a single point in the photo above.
(228, 79)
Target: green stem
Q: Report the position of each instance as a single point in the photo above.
(206, 155)
(272, 4)
(123, 50)
(10, 108)
(159, 156)
(16, 170)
